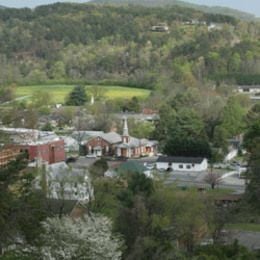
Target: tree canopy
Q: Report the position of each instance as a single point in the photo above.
(77, 97)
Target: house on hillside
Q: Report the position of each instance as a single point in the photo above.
(194, 22)
(248, 89)
(114, 144)
(187, 164)
(37, 145)
(214, 26)
(161, 27)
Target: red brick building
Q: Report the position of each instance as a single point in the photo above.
(46, 146)
(51, 152)
(103, 144)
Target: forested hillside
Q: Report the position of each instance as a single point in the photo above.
(163, 3)
(90, 43)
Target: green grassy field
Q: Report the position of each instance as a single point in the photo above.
(59, 92)
(244, 227)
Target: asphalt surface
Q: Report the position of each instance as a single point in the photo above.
(249, 239)
(197, 180)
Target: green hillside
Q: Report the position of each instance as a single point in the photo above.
(116, 45)
(163, 3)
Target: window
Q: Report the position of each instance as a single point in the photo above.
(180, 166)
(188, 166)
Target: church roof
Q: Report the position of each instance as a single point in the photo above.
(133, 142)
(112, 137)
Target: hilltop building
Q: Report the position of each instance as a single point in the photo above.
(248, 89)
(161, 27)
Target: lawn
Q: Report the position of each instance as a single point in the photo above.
(244, 227)
(59, 92)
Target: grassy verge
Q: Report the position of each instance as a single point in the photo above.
(244, 227)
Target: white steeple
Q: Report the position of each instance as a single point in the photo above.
(125, 136)
(125, 129)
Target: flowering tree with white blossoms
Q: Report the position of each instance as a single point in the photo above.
(87, 238)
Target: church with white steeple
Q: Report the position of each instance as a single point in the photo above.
(114, 144)
(134, 147)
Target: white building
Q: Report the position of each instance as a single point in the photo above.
(65, 183)
(185, 164)
(249, 89)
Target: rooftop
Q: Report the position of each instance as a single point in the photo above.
(175, 159)
(30, 136)
(112, 137)
(248, 86)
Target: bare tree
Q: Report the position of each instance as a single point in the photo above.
(213, 179)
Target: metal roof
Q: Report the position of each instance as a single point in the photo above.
(176, 159)
(249, 86)
(112, 137)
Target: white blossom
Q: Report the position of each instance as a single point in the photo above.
(88, 238)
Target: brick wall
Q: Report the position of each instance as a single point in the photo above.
(107, 148)
(51, 152)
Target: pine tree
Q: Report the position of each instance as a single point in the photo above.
(77, 96)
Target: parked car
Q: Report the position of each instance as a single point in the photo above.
(71, 159)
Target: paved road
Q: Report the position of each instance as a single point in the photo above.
(197, 180)
(16, 99)
(249, 239)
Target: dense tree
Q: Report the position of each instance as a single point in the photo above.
(141, 129)
(252, 135)
(183, 133)
(98, 168)
(253, 176)
(7, 93)
(22, 208)
(232, 122)
(77, 96)
(233, 251)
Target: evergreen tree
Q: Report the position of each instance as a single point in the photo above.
(77, 96)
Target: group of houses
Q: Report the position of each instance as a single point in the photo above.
(47, 149)
(51, 148)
